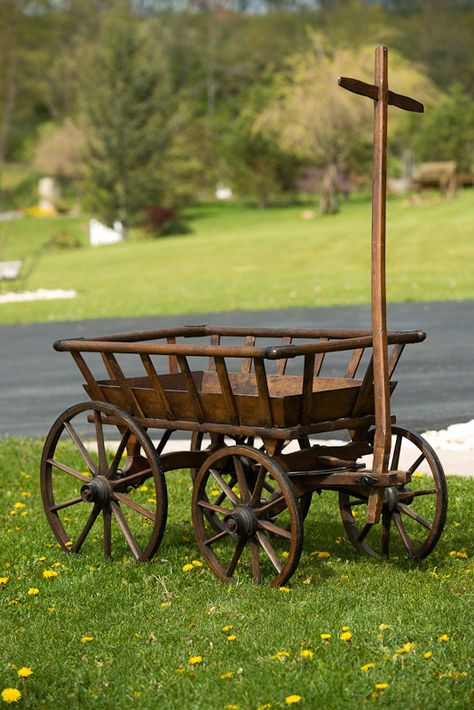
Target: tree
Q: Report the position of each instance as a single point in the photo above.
(448, 131)
(313, 117)
(126, 105)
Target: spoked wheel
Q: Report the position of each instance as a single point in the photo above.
(259, 528)
(413, 515)
(90, 493)
(197, 443)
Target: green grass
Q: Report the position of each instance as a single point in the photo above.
(146, 621)
(243, 258)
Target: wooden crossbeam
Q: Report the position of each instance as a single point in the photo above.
(382, 97)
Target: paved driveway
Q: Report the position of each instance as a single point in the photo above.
(436, 379)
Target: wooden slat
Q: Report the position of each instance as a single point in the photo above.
(354, 362)
(366, 392)
(281, 364)
(173, 363)
(133, 404)
(88, 376)
(319, 359)
(157, 386)
(307, 395)
(214, 340)
(264, 395)
(194, 396)
(228, 395)
(247, 362)
(394, 358)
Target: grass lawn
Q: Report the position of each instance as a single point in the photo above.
(115, 634)
(242, 258)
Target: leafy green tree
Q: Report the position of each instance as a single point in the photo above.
(448, 131)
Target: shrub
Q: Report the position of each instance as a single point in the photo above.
(164, 222)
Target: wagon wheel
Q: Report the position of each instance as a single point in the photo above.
(196, 445)
(82, 482)
(413, 515)
(260, 529)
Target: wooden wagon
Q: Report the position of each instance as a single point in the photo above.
(250, 398)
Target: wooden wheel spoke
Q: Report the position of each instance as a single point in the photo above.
(127, 480)
(81, 448)
(125, 529)
(212, 506)
(225, 487)
(413, 494)
(135, 506)
(403, 533)
(257, 491)
(364, 532)
(414, 466)
(87, 528)
(272, 528)
(119, 453)
(267, 508)
(255, 560)
(269, 551)
(216, 538)
(66, 504)
(69, 470)
(99, 432)
(107, 515)
(242, 479)
(239, 548)
(396, 453)
(414, 516)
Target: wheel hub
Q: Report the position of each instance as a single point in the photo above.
(97, 491)
(242, 522)
(391, 498)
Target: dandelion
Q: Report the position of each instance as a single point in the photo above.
(69, 543)
(427, 655)
(266, 706)
(25, 494)
(325, 637)
(321, 554)
(197, 563)
(307, 580)
(215, 492)
(227, 628)
(49, 573)
(19, 505)
(24, 672)
(306, 653)
(226, 676)
(382, 686)
(284, 589)
(56, 564)
(443, 637)
(231, 707)
(11, 695)
(165, 605)
(195, 660)
(231, 637)
(345, 628)
(346, 636)
(293, 699)
(42, 558)
(4, 580)
(33, 591)
(188, 567)
(281, 656)
(285, 554)
(86, 639)
(367, 666)
(406, 648)
(382, 627)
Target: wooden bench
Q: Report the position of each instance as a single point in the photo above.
(441, 175)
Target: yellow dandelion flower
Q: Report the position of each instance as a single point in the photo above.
(227, 628)
(382, 627)
(188, 567)
(181, 670)
(443, 637)
(56, 564)
(19, 505)
(293, 699)
(42, 558)
(165, 605)
(25, 494)
(25, 672)
(285, 554)
(215, 492)
(266, 706)
(417, 474)
(143, 489)
(382, 686)
(86, 639)
(136, 693)
(367, 666)
(197, 563)
(11, 695)
(226, 676)
(346, 636)
(406, 648)
(33, 591)
(427, 655)
(231, 637)
(281, 656)
(321, 554)
(306, 653)
(307, 580)
(284, 589)
(69, 543)
(48, 573)
(325, 637)
(452, 553)
(4, 580)
(231, 707)
(195, 660)
(462, 555)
